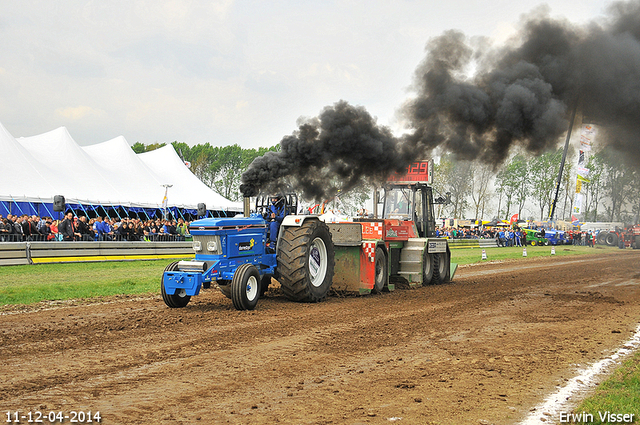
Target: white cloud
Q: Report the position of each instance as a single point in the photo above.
(75, 113)
(221, 71)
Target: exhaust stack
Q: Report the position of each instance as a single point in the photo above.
(246, 206)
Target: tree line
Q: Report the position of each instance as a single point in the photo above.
(219, 167)
(524, 185)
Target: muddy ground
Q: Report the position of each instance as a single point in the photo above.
(483, 349)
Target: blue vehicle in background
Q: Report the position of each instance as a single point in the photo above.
(555, 237)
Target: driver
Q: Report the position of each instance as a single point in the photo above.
(276, 215)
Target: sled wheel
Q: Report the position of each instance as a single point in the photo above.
(427, 268)
(225, 287)
(245, 287)
(382, 275)
(180, 298)
(306, 261)
(440, 268)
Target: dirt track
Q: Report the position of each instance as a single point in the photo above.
(487, 347)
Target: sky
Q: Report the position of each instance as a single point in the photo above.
(225, 72)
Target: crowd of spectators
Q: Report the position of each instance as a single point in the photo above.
(18, 228)
(504, 236)
(467, 233)
(576, 237)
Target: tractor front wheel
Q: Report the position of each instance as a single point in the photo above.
(180, 298)
(245, 287)
(306, 261)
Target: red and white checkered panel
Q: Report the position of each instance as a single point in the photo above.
(369, 249)
(372, 230)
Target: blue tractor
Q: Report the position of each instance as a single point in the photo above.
(238, 254)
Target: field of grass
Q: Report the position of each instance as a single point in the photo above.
(620, 394)
(474, 255)
(45, 282)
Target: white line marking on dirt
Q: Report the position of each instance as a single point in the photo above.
(629, 283)
(595, 285)
(560, 401)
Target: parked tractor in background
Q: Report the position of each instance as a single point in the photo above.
(536, 237)
(555, 237)
(312, 256)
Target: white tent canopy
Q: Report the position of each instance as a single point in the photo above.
(166, 163)
(37, 168)
(20, 170)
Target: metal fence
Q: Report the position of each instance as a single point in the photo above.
(17, 253)
(158, 237)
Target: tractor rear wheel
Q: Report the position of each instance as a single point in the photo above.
(600, 239)
(245, 287)
(427, 268)
(305, 261)
(611, 239)
(180, 298)
(382, 273)
(440, 268)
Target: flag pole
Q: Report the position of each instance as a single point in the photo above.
(564, 157)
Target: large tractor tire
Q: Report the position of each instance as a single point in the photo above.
(382, 272)
(245, 287)
(305, 261)
(440, 268)
(601, 238)
(637, 242)
(180, 298)
(611, 239)
(427, 268)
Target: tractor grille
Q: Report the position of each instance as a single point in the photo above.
(206, 243)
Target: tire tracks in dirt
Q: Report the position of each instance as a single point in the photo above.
(480, 348)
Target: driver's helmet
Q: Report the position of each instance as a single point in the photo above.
(277, 199)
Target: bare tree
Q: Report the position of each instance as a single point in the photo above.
(481, 175)
(543, 172)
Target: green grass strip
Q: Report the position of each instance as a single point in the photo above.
(48, 282)
(618, 395)
(474, 255)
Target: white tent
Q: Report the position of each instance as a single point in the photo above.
(127, 171)
(81, 180)
(185, 186)
(22, 178)
(106, 174)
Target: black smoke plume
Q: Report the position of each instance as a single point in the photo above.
(332, 152)
(518, 95)
(522, 94)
